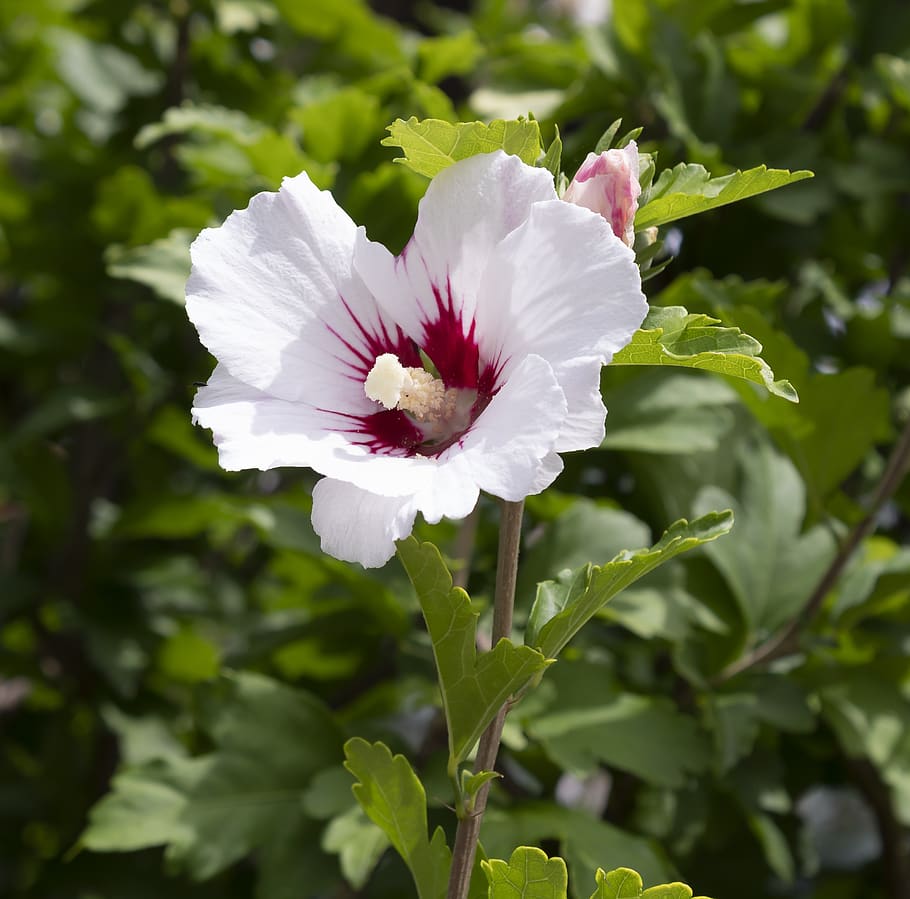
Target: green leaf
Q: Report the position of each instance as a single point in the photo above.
(585, 841)
(688, 189)
(528, 874)
(352, 27)
(621, 883)
(144, 806)
(163, 265)
(668, 411)
(449, 54)
(839, 417)
(341, 124)
(188, 657)
(558, 614)
(552, 159)
(191, 805)
(214, 121)
(471, 783)
(672, 336)
(592, 719)
(393, 798)
(624, 883)
(473, 690)
(358, 842)
(770, 566)
(585, 530)
(431, 145)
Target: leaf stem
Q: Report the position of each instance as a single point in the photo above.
(785, 641)
(469, 824)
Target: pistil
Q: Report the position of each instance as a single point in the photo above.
(413, 390)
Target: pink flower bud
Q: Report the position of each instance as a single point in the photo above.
(608, 184)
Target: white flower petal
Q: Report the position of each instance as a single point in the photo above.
(274, 297)
(584, 424)
(357, 526)
(452, 493)
(467, 210)
(508, 451)
(563, 286)
(255, 430)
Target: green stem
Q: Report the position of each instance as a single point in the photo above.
(469, 824)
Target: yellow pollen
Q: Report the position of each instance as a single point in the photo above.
(413, 390)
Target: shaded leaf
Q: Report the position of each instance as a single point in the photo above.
(394, 799)
(190, 804)
(358, 842)
(163, 265)
(592, 720)
(770, 566)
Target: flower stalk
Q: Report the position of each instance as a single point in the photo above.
(469, 822)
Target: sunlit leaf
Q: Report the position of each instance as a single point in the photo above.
(672, 336)
(563, 608)
(431, 145)
(394, 798)
(689, 189)
(528, 874)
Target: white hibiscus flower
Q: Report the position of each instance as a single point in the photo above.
(411, 383)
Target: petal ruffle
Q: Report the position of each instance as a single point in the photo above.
(274, 297)
(563, 286)
(509, 450)
(431, 288)
(357, 526)
(253, 429)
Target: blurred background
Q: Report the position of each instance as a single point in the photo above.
(176, 628)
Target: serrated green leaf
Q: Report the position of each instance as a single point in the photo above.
(557, 615)
(672, 336)
(621, 883)
(431, 145)
(473, 690)
(394, 798)
(688, 189)
(528, 874)
(584, 840)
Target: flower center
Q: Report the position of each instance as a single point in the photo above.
(440, 412)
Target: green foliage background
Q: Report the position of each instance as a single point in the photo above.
(176, 628)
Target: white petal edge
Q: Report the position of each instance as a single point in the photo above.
(564, 287)
(255, 430)
(509, 450)
(275, 299)
(357, 526)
